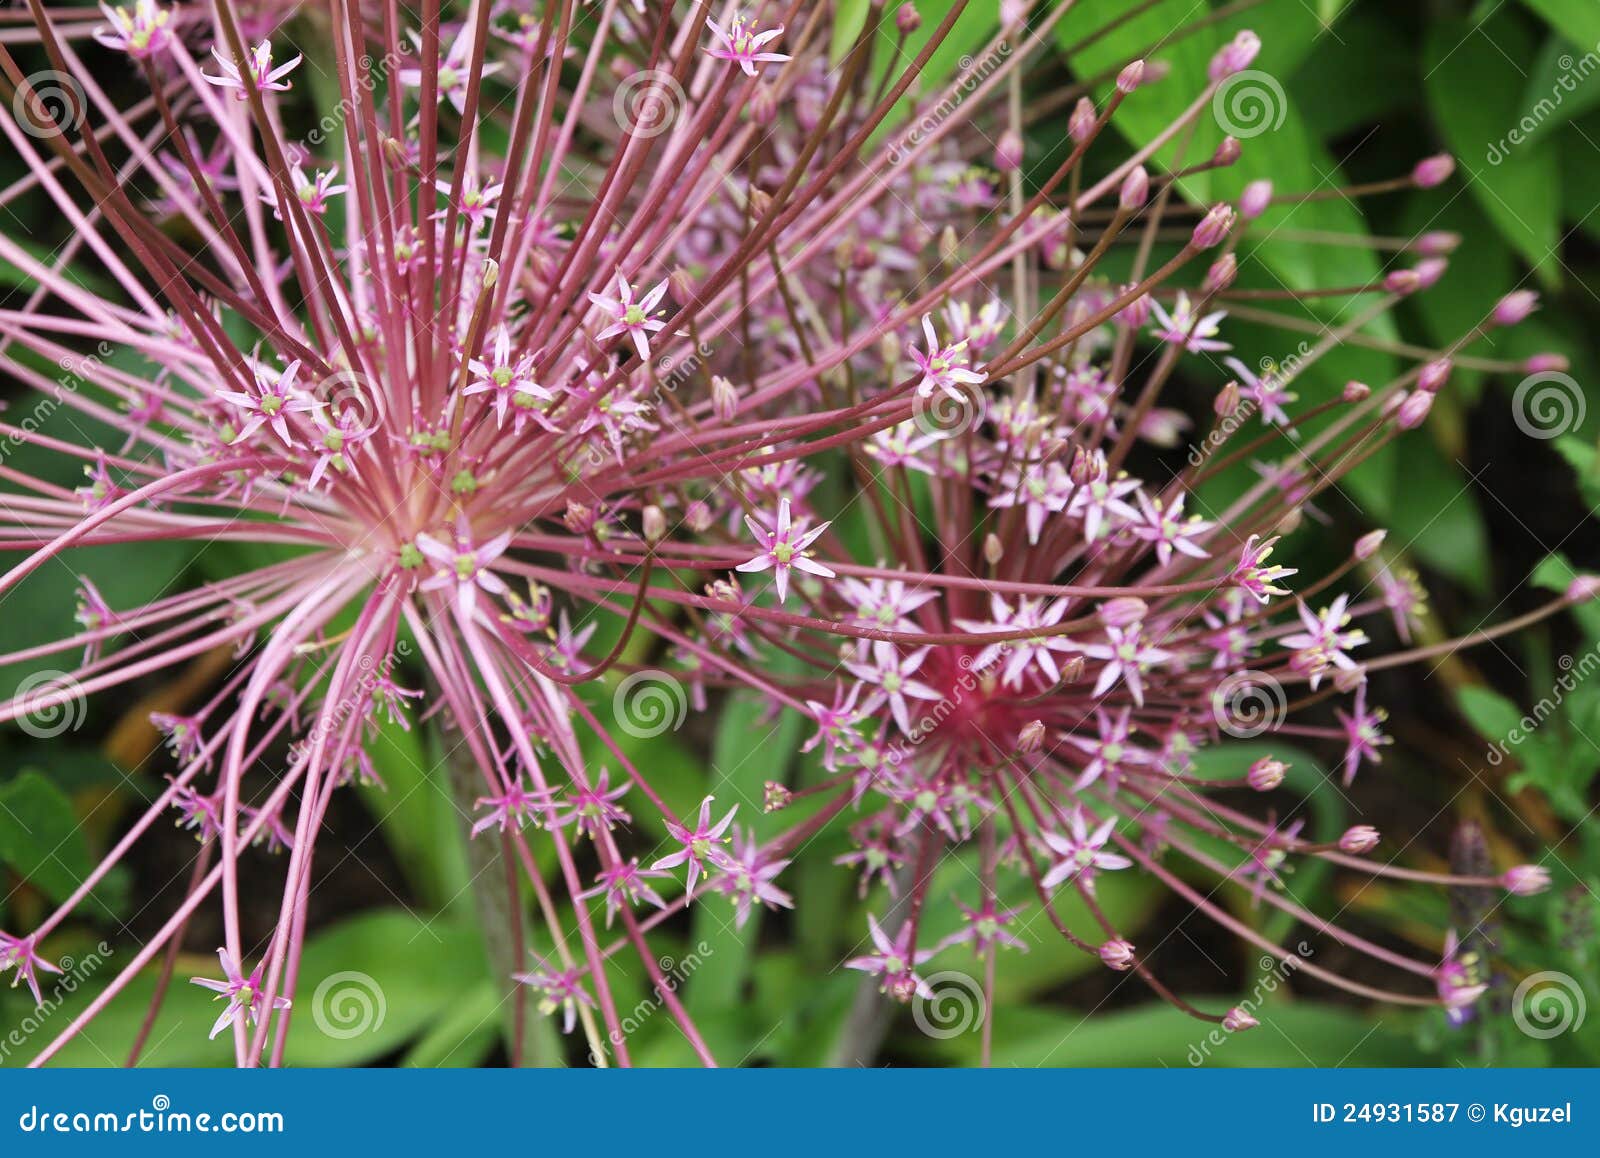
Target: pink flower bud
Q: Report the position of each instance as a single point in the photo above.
(1414, 409)
(1583, 588)
(697, 516)
(1402, 281)
(1135, 189)
(908, 19)
(1429, 270)
(993, 549)
(1214, 226)
(1221, 274)
(1031, 738)
(1367, 546)
(1360, 839)
(1546, 363)
(1080, 125)
(1515, 307)
(1123, 611)
(1254, 200)
(1438, 243)
(1235, 56)
(1356, 391)
(1227, 400)
(775, 797)
(1266, 774)
(1434, 170)
(724, 398)
(1136, 314)
(1227, 152)
(1118, 954)
(1526, 879)
(1238, 1020)
(1131, 77)
(1008, 153)
(654, 522)
(1434, 375)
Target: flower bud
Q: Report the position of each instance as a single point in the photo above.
(1235, 56)
(1356, 391)
(724, 398)
(1359, 839)
(1214, 226)
(1583, 588)
(1031, 738)
(1131, 77)
(1227, 152)
(1546, 364)
(1434, 170)
(1402, 281)
(1437, 243)
(1221, 274)
(775, 797)
(654, 523)
(697, 516)
(1238, 1020)
(1429, 270)
(1135, 189)
(1123, 611)
(1008, 152)
(1515, 307)
(1266, 774)
(1080, 125)
(907, 19)
(1434, 375)
(1413, 410)
(1367, 546)
(1254, 200)
(993, 549)
(1118, 954)
(491, 273)
(1227, 400)
(1348, 679)
(1526, 879)
(1136, 313)
(578, 517)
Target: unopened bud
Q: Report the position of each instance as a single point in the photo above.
(1437, 243)
(1008, 153)
(1356, 391)
(1546, 364)
(1221, 274)
(993, 550)
(1227, 400)
(1118, 954)
(697, 516)
(1526, 879)
(1031, 738)
(491, 273)
(1413, 410)
(1227, 152)
(1266, 774)
(724, 398)
(1080, 125)
(907, 19)
(1131, 77)
(1515, 306)
(1360, 839)
(654, 523)
(1214, 226)
(1367, 546)
(1583, 588)
(1135, 189)
(1238, 1020)
(1123, 611)
(775, 797)
(1435, 170)
(1434, 375)
(1235, 56)
(1254, 200)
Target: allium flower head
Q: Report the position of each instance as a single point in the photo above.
(532, 347)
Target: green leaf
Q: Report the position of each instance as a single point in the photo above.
(1577, 20)
(849, 18)
(40, 838)
(1478, 99)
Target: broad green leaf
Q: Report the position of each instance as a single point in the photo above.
(1478, 99)
(40, 838)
